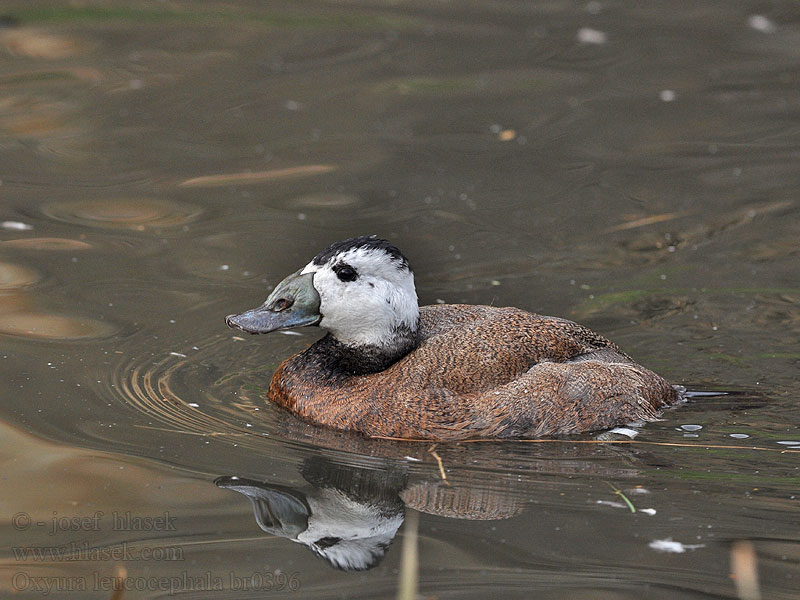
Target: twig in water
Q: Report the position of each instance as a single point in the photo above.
(409, 560)
(619, 493)
(120, 573)
(744, 570)
(432, 452)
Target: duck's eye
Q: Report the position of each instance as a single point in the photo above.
(282, 304)
(345, 272)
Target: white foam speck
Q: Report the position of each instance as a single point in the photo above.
(16, 226)
(587, 35)
(668, 545)
(667, 95)
(627, 432)
(761, 23)
(290, 333)
(647, 511)
(177, 354)
(612, 503)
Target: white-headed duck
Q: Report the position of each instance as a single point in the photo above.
(390, 368)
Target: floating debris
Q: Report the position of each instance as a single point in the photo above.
(506, 135)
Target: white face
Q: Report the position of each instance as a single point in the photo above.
(364, 296)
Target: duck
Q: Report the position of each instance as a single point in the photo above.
(389, 368)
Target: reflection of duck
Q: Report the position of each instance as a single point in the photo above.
(390, 368)
(349, 515)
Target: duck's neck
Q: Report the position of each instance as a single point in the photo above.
(364, 359)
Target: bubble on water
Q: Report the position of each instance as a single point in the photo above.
(691, 427)
(739, 436)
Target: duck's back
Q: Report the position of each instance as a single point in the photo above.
(479, 371)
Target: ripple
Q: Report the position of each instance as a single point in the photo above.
(53, 327)
(138, 214)
(149, 387)
(46, 243)
(325, 200)
(36, 43)
(14, 276)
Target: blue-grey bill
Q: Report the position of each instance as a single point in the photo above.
(293, 303)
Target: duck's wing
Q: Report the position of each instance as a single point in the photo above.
(470, 349)
(589, 394)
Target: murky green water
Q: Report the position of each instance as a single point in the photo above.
(631, 167)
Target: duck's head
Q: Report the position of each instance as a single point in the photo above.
(360, 289)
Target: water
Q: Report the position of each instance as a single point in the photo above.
(164, 165)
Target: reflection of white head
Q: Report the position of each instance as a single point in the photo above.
(352, 536)
(366, 291)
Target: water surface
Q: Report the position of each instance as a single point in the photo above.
(163, 164)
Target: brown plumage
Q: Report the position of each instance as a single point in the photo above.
(478, 371)
(389, 368)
